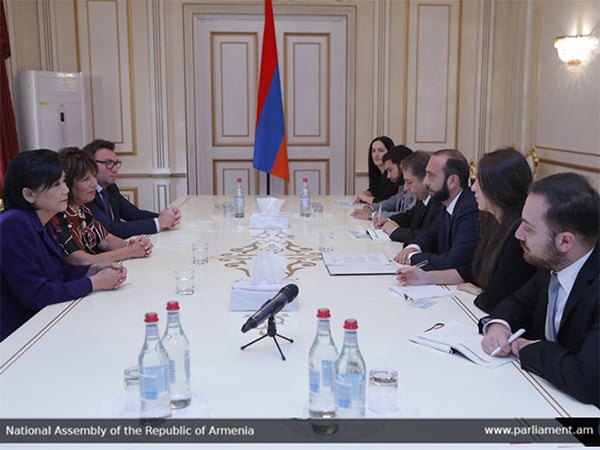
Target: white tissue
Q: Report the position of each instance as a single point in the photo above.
(267, 268)
(269, 215)
(269, 205)
(267, 272)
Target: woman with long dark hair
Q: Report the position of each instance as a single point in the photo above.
(498, 268)
(380, 188)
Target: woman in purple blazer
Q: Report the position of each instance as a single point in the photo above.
(32, 272)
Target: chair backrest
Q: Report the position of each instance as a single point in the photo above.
(535, 160)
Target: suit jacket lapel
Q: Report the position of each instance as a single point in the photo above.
(584, 279)
(419, 213)
(113, 199)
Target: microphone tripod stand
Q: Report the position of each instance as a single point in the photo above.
(271, 332)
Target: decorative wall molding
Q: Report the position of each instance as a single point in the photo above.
(381, 68)
(307, 93)
(234, 57)
(161, 195)
(485, 67)
(47, 34)
(158, 83)
(105, 46)
(130, 193)
(432, 73)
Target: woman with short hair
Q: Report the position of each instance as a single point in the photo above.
(33, 273)
(83, 238)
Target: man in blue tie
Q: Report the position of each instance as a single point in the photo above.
(560, 306)
(121, 217)
(452, 238)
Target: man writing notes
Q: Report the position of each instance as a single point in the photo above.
(559, 306)
(405, 226)
(112, 209)
(401, 201)
(452, 239)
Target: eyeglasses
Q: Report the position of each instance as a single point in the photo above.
(110, 163)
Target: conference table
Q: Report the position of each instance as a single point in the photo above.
(68, 360)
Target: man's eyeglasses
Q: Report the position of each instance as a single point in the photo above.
(110, 163)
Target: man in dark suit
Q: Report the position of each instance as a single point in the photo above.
(405, 226)
(121, 217)
(452, 238)
(559, 306)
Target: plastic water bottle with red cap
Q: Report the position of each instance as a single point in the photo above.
(321, 369)
(153, 364)
(350, 375)
(238, 200)
(304, 199)
(178, 348)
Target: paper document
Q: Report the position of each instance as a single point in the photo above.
(359, 233)
(377, 235)
(461, 338)
(417, 292)
(358, 264)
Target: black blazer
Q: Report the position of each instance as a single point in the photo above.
(128, 220)
(415, 220)
(510, 273)
(571, 363)
(385, 189)
(464, 236)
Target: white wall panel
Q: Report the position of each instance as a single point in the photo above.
(234, 78)
(223, 59)
(432, 74)
(104, 51)
(307, 88)
(226, 172)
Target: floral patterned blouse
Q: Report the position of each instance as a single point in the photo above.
(79, 231)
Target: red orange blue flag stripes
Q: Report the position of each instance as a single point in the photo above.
(270, 145)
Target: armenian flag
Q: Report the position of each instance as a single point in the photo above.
(270, 144)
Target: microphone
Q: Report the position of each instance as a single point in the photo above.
(271, 307)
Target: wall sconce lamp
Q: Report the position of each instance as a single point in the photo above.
(575, 50)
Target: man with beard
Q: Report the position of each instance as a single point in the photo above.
(398, 203)
(559, 306)
(452, 238)
(405, 226)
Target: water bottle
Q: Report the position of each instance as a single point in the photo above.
(350, 375)
(153, 364)
(238, 200)
(304, 199)
(178, 348)
(321, 369)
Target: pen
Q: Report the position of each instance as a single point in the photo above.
(513, 337)
(379, 213)
(421, 264)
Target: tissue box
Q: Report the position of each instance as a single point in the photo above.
(249, 297)
(261, 220)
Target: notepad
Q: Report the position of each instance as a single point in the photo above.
(463, 339)
(358, 264)
(377, 235)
